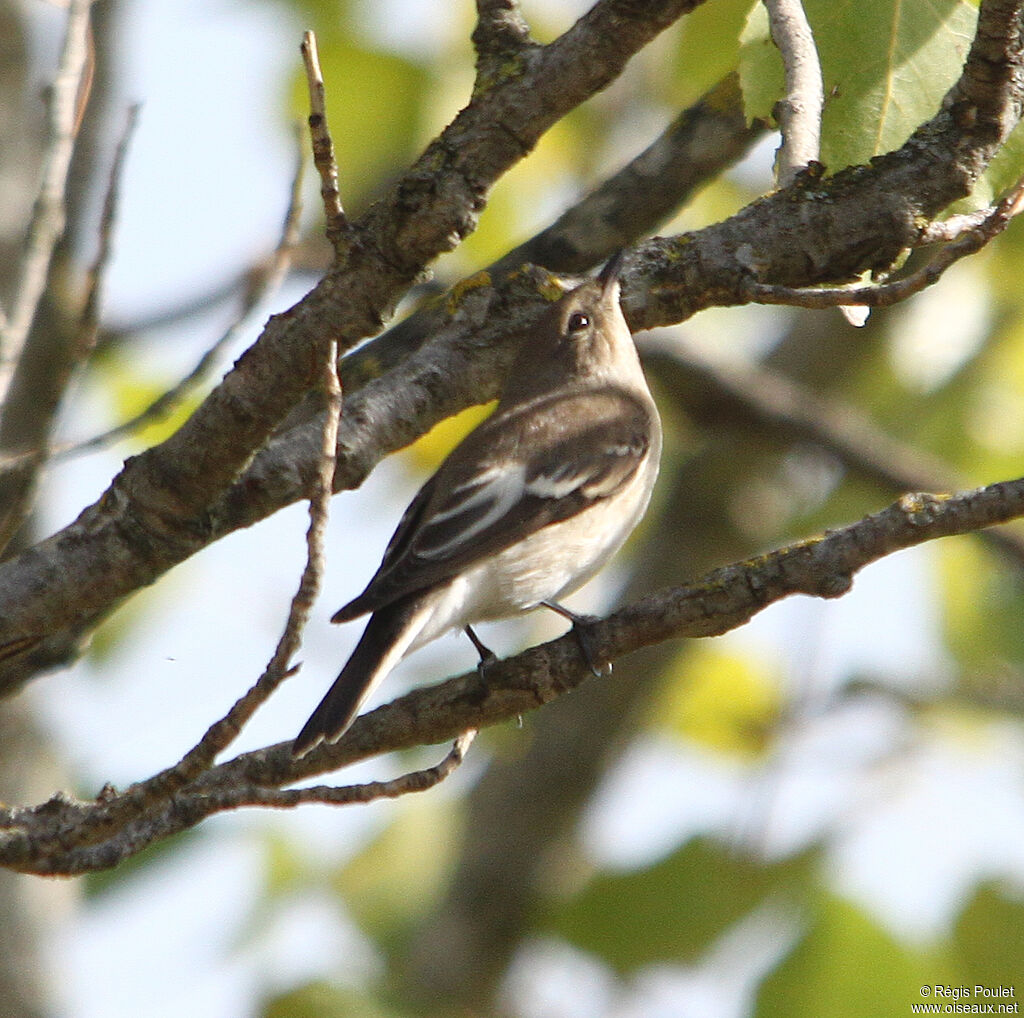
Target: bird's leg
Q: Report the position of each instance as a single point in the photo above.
(487, 658)
(582, 628)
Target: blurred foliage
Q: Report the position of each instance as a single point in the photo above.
(847, 966)
(943, 374)
(132, 390)
(323, 1000)
(674, 909)
(708, 48)
(981, 608)
(988, 941)
(415, 851)
(725, 701)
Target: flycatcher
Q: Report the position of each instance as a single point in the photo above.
(525, 510)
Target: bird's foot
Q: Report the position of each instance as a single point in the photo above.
(487, 658)
(583, 630)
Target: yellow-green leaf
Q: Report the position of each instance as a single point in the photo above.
(673, 910)
(847, 967)
(722, 700)
(886, 64)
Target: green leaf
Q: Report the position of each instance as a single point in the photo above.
(886, 65)
(674, 910)
(882, 84)
(989, 939)
(321, 1000)
(399, 875)
(847, 967)
(709, 42)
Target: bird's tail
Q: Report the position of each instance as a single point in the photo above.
(388, 636)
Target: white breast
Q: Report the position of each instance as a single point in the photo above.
(553, 562)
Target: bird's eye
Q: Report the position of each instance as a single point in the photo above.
(578, 321)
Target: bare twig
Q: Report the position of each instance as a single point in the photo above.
(19, 472)
(942, 231)
(346, 795)
(89, 325)
(969, 240)
(799, 110)
(144, 797)
(185, 811)
(48, 217)
(65, 836)
(223, 732)
(263, 285)
(337, 227)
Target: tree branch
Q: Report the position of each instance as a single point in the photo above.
(68, 96)
(262, 284)
(969, 240)
(64, 836)
(799, 111)
(164, 506)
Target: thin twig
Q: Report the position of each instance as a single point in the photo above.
(345, 795)
(89, 324)
(337, 226)
(968, 242)
(48, 218)
(263, 285)
(799, 110)
(145, 797)
(223, 732)
(20, 470)
(23, 829)
(945, 230)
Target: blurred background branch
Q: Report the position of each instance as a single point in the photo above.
(781, 422)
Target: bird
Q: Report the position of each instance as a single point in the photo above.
(525, 510)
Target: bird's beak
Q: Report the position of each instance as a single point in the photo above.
(609, 275)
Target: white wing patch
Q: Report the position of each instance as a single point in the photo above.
(582, 477)
(556, 485)
(501, 488)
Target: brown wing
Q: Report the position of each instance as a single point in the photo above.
(517, 472)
